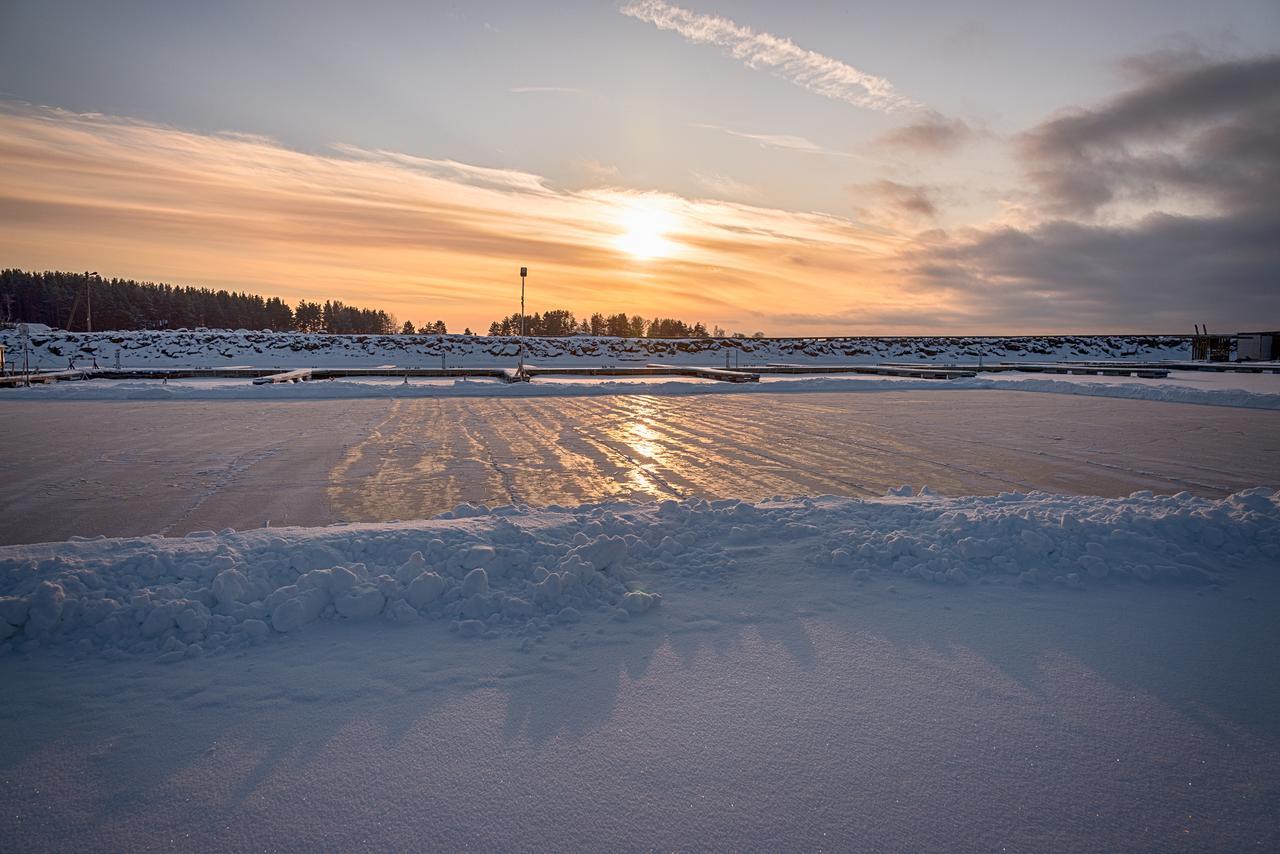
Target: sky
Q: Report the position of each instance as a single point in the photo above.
(801, 168)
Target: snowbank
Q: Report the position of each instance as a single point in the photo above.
(517, 573)
(51, 350)
(1170, 390)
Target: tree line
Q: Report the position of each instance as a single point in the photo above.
(561, 322)
(66, 301)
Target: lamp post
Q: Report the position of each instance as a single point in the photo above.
(88, 293)
(524, 271)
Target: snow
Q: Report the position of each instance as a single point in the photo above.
(205, 348)
(517, 570)
(651, 639)
(1024, 670)
(1250, 391)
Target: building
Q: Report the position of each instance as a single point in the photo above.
(1257, 346)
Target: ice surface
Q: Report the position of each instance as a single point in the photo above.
(184, 466)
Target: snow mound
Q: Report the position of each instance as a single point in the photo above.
(517, 572)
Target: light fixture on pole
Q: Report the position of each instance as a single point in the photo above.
(88, 293)
(524, 271)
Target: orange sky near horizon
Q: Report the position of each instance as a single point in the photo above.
(424, 239)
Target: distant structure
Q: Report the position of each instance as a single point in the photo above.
(1257, 346)
(1247, 346)
(1210, 348)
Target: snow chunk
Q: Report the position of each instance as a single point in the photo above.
(476, 583)
(637, 602)
(360, 602)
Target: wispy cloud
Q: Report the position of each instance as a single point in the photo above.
(909, 199)
(436, 238)
(793, 143)
(532, 90)
(430, 238)
(808, 69)
(724, 186)
(932, 133)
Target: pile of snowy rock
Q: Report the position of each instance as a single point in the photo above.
(55, 349)
(517, 572)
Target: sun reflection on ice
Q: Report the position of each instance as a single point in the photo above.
(648, 451)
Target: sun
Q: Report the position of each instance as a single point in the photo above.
(644, 230)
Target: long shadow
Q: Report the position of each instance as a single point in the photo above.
(1202, 652)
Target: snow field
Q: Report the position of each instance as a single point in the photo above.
(517, 574)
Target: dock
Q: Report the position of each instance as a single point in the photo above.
(738, 374)
(919, 372)
(1109, 369)
(16, 380)
(295, 376)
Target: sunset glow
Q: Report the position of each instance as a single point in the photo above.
(645, 228)
(751, 170)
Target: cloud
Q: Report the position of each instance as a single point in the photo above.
(433, 238)
(1160, 274)
(725, 187)
(793, 143)
(911, 199)
(807, 69)
(597, 172)
(933, 134)
(438, 238)
(1193, 154)
(530, 90)
(1206, 135)
(1181, 54)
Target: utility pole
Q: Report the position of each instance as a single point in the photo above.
(524, 271)
(26, 355)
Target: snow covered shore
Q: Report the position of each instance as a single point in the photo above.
(516, 574)
(1238, 390)
(52, 349)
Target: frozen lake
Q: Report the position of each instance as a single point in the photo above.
(804, 683)
(82, 468)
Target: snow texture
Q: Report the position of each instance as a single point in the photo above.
(517, 573)
(208, 348)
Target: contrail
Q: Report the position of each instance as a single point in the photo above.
(805, 68)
